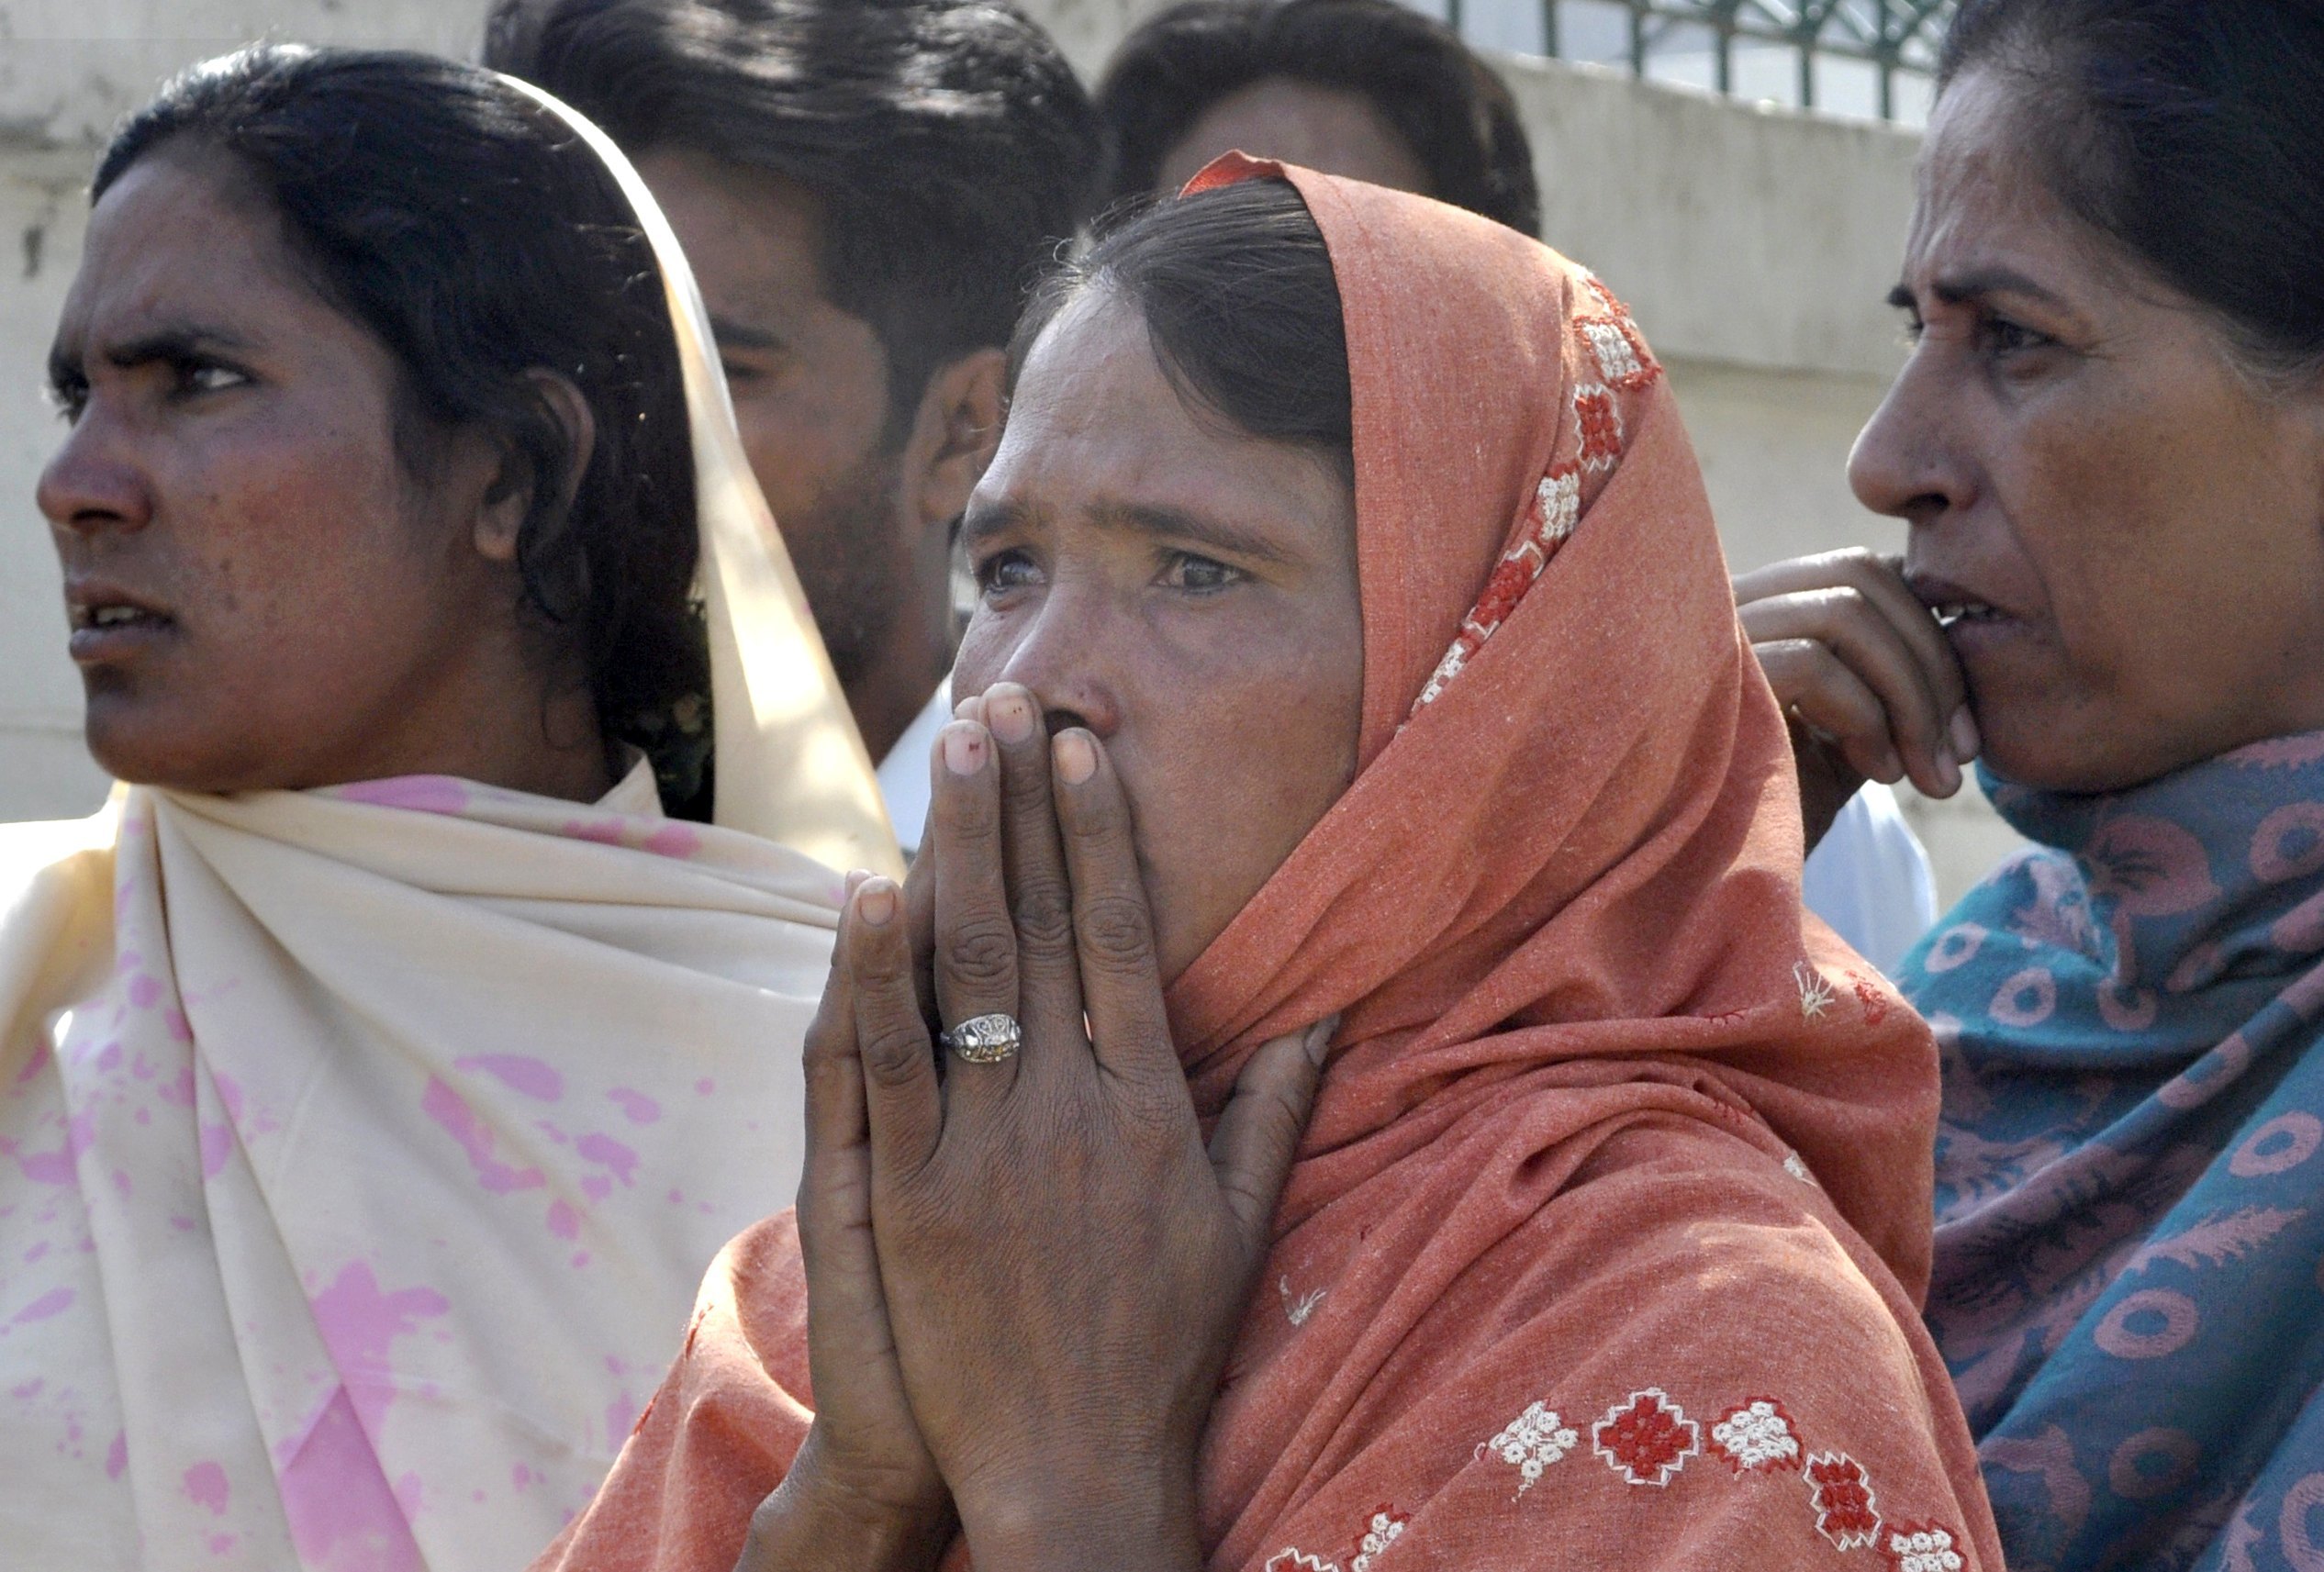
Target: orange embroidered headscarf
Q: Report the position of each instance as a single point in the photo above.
(1607, 1239)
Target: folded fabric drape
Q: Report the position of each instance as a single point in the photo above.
(360, 1148)
(2128, 1232)
(1606, 1240)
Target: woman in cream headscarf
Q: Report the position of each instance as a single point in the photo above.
(379, 1070)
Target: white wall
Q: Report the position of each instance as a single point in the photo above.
(1753, 244)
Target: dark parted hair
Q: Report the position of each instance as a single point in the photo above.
(950, 144)
(2190, 131)
(479, 239)
(1449, 108)
(1241, 306)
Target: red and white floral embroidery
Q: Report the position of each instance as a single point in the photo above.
(1920, 1547)
(1841, 1494)
(1290, 1560)
(1756, 1434)
(1530, 1442)
(1624, 365)
(1601, 420)
(1624, 360)
(1645, 1438)
(1815, 992)
(1386, 1528)
(1617, 358)
(1551, 519)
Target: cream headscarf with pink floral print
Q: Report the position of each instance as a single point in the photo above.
(360, 1149)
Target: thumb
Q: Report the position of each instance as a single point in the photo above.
(1258, 1135)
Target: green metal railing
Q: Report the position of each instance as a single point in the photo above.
(1894, 37)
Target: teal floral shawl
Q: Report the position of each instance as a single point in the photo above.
(2130, 1167)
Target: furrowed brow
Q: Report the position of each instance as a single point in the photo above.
(172, 343)
(984, 521)
(1197, 529)
(1968, 288)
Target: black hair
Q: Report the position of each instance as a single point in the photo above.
(1237, 289)
(950, 144)
(2189, 131)
(1449, 108)
(480, 240)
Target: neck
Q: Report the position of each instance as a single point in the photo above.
(500, 727)
(888, 695)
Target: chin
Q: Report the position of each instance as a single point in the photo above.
(2080, 755)
(143, 751)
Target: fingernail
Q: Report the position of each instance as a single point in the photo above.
(963, 748)
(1963, 733)
(1948, 771)
(877, 902)
(970, 708)
(1077, 756)
(1319, 1039)
(1009, 715)
(855, 877)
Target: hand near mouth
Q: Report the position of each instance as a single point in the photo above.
(1866, 677)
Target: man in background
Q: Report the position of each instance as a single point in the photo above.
(1368, 89)
(866, 189)
(1361, 88)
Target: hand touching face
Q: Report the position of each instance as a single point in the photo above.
(1187, 594)
(2124, 529)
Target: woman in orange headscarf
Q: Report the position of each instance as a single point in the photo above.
(1350, 547)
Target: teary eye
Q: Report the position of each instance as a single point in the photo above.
(205, 376)
(1005, 570)
(1201, 574)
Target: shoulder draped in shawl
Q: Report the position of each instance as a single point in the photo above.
(2128, 1167)
(1605, 1245)
(360, 1148)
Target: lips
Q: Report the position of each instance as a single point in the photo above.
(1952, 604)
(109, 622)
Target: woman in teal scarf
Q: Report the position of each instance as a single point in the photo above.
(2108, 443)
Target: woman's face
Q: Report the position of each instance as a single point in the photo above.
(258, 597)
(1189, 595)
(2137, 526)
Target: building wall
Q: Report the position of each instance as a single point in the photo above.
(1753, 244)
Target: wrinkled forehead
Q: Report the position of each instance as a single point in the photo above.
(184, 238)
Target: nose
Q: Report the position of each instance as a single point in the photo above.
(1907, 462)
(1065, 656)
(94, 482)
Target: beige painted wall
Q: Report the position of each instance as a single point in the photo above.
(1754, 246)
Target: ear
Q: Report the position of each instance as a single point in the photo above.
(509, 498)
(954, 435)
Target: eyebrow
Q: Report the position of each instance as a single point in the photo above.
(1154, 522)
(732, 335)
(173, 344)
(1967, 288)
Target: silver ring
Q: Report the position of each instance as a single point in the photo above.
(985, 1039)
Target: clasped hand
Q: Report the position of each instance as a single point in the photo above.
(1024, 1277)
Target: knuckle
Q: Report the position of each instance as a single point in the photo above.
(1114, 931)
(981, 952)
(1042, 912)
(894, 1054)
